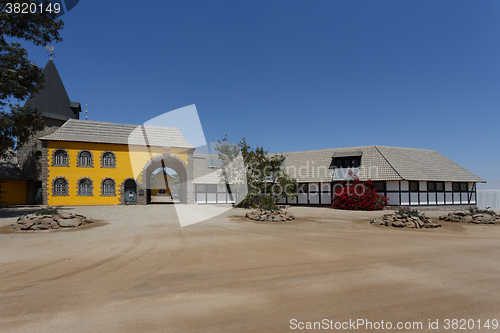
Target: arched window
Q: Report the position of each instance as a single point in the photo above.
(60, 158)
(85, 159)
(108, 160)
(60, 187)
(108, 187)
(85, 187)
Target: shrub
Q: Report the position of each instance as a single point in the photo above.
(48, 211)
(475, 210)
(358, 195)
(410, 212)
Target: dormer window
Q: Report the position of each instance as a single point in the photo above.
(346, 159)
(346, 162)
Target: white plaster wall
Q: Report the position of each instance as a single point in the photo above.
(432, 198)
(313, 198)
(393, 199)
(422, 185)
(404, 185)
(392, 185)
(405, 199)
(449, 199)
(325, 198)
(423, 198)
(413, 198)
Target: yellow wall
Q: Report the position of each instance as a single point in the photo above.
(129, 164)
(13, 192)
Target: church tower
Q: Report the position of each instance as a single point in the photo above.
(53, 102)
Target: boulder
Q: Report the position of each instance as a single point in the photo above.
(466, 219)
(377, 222)
(398, 224)
(70, 223)
(410, 224)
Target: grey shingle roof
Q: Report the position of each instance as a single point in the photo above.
(103, 132)
(378, 163)
(9, 169)
(424, 164)
(202, 173)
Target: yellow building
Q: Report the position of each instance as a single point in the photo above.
(98, 163)
(13, 183)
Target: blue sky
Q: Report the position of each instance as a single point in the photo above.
(296, 75)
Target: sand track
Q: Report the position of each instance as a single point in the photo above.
(142, 272)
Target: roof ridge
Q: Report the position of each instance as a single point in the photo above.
(385, 158)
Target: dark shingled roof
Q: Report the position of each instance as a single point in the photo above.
(52, 99)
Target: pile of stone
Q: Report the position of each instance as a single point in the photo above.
(44, 222)
(270, 215)
(468, 217)
(405, 221)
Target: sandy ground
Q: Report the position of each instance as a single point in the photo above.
(139, 271)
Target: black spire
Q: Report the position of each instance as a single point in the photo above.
(52, 99)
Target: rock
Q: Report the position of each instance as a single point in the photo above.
(377, 222)
(54, 225)
(47, 220)
(418, 223)
(460, 213)
(466, 219)
(477, 215)
(71, 223)
(398, 224)
(277, 218)
(410, 224)
(434, 225)
(64, 216)
(389, 222)
(455, 218)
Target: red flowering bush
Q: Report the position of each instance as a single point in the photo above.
(358, 195)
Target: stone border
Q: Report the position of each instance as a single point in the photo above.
(54, 158)
(78, 188)
(102, 187)
(91, 159)
(54, 187)
(102, 159)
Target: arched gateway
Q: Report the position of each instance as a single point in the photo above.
(183, 170)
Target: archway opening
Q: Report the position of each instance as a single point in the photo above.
(166, 181)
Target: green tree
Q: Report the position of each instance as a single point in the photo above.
(19, 76)
(260, 171)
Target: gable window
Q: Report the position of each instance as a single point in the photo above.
(60, 187)
(85, 187)
(108, 187)
(413, 186)
(60, 158)
(108, 160)
(85, 159)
